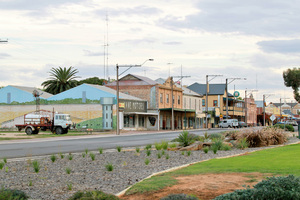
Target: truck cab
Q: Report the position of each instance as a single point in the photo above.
(62, 122)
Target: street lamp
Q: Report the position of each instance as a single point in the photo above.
(207, 91)
(232, 79)
(117, 69)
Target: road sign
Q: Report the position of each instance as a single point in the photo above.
(273, 118)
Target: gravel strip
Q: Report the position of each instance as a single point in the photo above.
(52, 181)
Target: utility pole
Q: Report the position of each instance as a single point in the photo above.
(172, 100)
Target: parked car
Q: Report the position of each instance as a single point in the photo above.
(242, 124)
(229, 123)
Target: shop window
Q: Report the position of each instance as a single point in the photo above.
(215, 103)
(167, 98)
(161, 98)
(179, 100)
(203, 102)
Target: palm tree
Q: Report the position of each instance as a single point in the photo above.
(61, 79)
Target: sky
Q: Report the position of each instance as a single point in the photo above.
(255, 39)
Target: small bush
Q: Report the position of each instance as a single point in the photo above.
(287, 127)
(147, 161)
(148, 152)
(164, 144)
(68, 170)
(70, 156)
(276, 188)
(61, 155)
(69, 186)
(167, 156)
(226, 147)
(53, 158)
(36, 166)
(163, 152)
(6, 194)
(100, 150)
(158, 146)
(93, 195)
(185, 139)
(148, 146)
(218, 143)
(1, 165)
(173, 145)
(83, 155)
(217, 136)
(119, 148)
(206, 149)
(86, 151)
(29, 184)
(137, 149)
(179, 197)
(158, 155)
(243, 144)
(182, 153)
(92, 156)
(189, 153)
(5, 160)
(109, 167)
(214, 148)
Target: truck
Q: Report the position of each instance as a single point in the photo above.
(45, 120)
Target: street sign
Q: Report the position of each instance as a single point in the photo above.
(273, 118)
(236, 94)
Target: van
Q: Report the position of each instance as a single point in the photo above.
(229, 123)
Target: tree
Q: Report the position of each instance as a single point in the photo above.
(292, 79)
(93, 80)
(61, 79)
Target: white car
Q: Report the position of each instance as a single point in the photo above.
(229, 123)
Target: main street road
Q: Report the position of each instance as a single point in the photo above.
(47, 146)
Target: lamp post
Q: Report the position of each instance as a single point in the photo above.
(207, 91)
(117, 70)
(232, 79)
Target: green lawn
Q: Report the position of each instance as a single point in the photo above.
(281, 160)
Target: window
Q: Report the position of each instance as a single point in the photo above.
(161, 98)
(167, 98)
(184, 102)
(203, 102)
(179, 100)
(215, 103)
(199, 105)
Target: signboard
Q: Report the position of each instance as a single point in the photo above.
(272, 118)
(236, 94)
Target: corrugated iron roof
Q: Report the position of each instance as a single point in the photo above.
(30, 90)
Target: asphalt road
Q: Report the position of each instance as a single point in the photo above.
(47, 146)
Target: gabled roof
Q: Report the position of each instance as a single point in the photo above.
(131, 79)
(30, 90)
(214, 89)
(281, 104)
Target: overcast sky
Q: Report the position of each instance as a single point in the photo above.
(253, 39)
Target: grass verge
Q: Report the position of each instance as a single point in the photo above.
(280, 160)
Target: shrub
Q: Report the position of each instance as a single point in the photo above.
(1, 165)
(86, 151)
(70, 186)
(164, 144)
(287, 127)
(93, 195)
(167, 156)
(147, 161)
(263, 137)
(226, 147)
(119, 148)
(163, 152)
(83, 155)
(109, 167)
(148, 152)
(158, 155)
(100, 150)
(283, 187)
(215, 148)
(5, 160)
(68, 170)
(53, 158)
(189, 153)
(148, 146)
(173, 145)
(206, 149)
(61, 155)
(185, 139)
(218, 143)
(243, 144)
(137, 149)
(92, 156)
(179, 197)
(70, 156)
(218, 136)
(13, 194)
(36, 166)
(158, 146)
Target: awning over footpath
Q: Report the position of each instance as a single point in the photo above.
(178, 110)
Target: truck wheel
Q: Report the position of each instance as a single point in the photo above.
(59, 131)
(28, 131)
